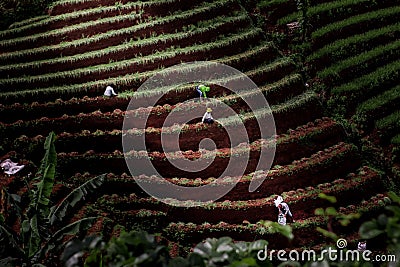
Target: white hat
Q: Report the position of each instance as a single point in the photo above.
(278, 201)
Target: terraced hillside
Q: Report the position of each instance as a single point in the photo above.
(55, 69)
(353, 55)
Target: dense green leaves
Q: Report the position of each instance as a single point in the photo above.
(138, 248)
(37, 238)
(58, 212)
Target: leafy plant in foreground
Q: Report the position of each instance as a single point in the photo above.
(38, 233)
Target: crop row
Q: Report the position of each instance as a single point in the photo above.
(277, 69)
(128, 50)
(80, 16)
(275, 93)
(96, 87)
(156, 116)
(366, 85)
(389, 125)
(53, 22)
(261, 75)
(217, 160)
(336, 10)
(69, 6)
(189, 233)
(29, 111)
(378, 106)
(343, 48)
(166, 24)
(300, 142)
(27, 21)
(320, 167)
(110, 121)
(72, 32)
(370, 20)
(360, 64)
(255, 209)
(168, 57)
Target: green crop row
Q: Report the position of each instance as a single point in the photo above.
(278, 86)
(349, 46)
(364, 85)
(310, 194)
(389, 97)
(280, 63)
(27, 21)
(204, 8)
(295, 102)
(362, 61)
(164, 38)
(69, 2)
(103, 119)
(254, 52)
(396, 140)
(320, 160)
(73, 15)
(376, 16)
(127, 64)
(53, 34)
(186, 232)
(391, 122)
(84, 88)
(330, 8)
(230, 60)
(302, 100)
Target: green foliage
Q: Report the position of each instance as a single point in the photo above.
(58, 212)
(375, 16)
(364, 85)
(387, 225)
(37, 237)
(331, 214)
(330, 9)
(331, 199)
(224, 252)
(138, 248)
(378, 104)
(360, 63)
(390, 122)
(346, 47)
(275, 227)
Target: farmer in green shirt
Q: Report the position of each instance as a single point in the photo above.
(202, 89)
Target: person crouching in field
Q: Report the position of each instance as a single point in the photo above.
(208, 118)
(109, 92)
(202, 89)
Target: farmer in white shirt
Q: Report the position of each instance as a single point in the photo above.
(283, 210)
(207, 118)
(109, 91)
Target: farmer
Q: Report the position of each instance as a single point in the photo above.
(283, 209)
(202, 89)
(109, 92)
(207, 118)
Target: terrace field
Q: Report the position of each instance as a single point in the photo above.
(332, 87)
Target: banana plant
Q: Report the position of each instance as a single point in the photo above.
(37, 236)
